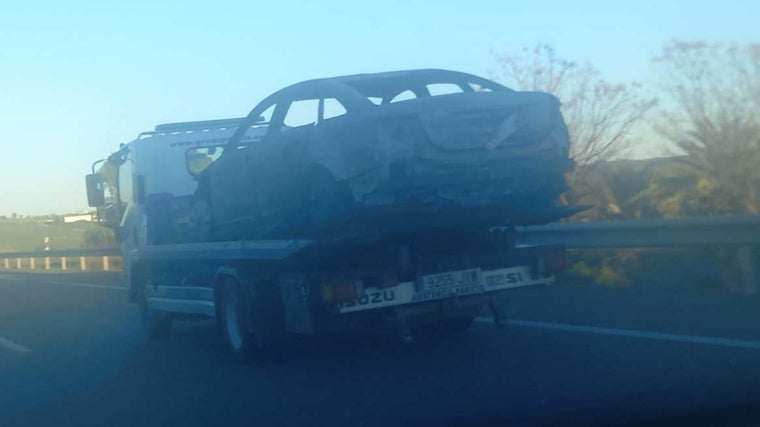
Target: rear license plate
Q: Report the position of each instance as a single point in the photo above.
(451, 280)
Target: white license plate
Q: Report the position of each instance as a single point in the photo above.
(451, 280)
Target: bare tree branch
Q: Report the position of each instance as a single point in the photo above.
(600, 116)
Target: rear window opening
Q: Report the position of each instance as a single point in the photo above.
(479, 88)
(403, 96)
(332, 108)
(397, 88)
(437, 89)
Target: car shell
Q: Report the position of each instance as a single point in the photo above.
(485, 146)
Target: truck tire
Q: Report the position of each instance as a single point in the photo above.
(245, 324)
(156, 324)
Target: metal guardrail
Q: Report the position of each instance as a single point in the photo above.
(742, 232)
(706, 231)
(115, 251)
(108, 259)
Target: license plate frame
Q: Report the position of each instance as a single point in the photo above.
(450, 280)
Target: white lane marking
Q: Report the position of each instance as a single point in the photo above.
(661, 336)
(59, 283)
(12, 346)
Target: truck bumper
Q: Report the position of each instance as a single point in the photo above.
(407, 293)
(406, 304)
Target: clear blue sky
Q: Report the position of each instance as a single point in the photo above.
(79, 77)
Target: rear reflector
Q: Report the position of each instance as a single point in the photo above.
(328, 293)
(345, 292)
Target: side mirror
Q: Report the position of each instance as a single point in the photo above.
(95, 196)
(259, 119)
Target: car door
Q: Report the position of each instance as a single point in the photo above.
(275, 165)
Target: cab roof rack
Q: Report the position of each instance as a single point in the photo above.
(205, 124)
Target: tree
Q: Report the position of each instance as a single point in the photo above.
(713, 117)
(600, 116)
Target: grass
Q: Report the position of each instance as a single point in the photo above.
(18, 235)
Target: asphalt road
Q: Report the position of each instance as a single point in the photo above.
(72, 354)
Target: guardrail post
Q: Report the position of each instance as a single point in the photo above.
(18, 263)
(106, 267)
(748, 269)
(63, 263)
(82, 263)
(31, 263)
(47, 263)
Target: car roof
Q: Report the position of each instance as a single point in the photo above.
(383, 84)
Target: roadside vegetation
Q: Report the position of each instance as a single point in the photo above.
(28, 234)
(702, 113)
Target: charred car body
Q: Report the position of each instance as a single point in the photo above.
(390, 152)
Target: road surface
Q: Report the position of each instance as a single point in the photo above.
(72, 354)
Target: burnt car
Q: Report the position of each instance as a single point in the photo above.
(395, 151)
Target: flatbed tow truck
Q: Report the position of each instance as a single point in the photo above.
(263, 292)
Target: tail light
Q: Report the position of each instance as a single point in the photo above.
(328, 293)
(342, 291)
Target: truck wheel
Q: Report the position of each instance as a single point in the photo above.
(156, 324)
(240, 320)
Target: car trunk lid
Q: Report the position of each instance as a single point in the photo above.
(493, 121)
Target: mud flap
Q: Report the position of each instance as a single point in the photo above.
(401, 318)
(297, 310)
(498, 306)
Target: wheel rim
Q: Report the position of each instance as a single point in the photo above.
(233, 323)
